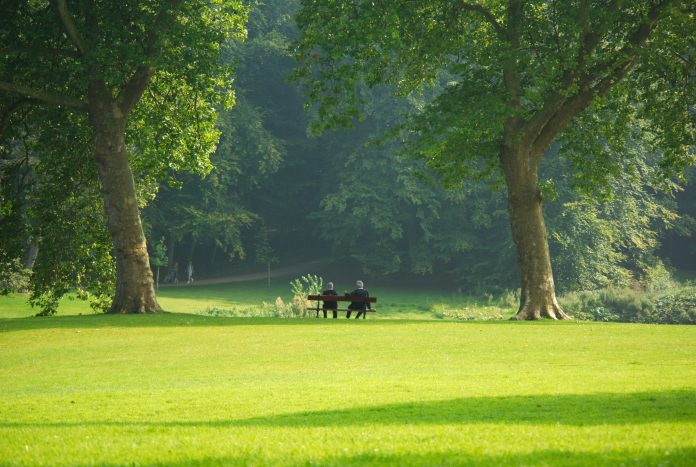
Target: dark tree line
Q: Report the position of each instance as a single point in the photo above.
(389, 195)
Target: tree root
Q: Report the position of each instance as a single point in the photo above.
(528, 312)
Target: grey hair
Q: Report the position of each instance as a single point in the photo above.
(359, 284)
(330, 285)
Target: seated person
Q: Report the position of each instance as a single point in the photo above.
(331, 305)
(362, 305)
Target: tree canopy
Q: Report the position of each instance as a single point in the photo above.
(225, 186)
(147, 78)
(511, 77)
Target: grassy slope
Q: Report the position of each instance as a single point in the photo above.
(179, 389)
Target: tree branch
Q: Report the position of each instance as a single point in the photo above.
(134, 88)
(8, 112)
(70, 26)
(486, 13)
(40, 51)
(154, 36)
(511, 75)
(47, 97)
(574, 106)
(630, 50)
(559, 110)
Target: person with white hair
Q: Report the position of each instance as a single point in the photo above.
(360, 306)
(329, 304)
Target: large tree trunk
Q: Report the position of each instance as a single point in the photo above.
(538, 293)
(135, 291)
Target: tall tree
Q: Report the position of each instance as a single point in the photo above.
(99, 58)
(514, 75)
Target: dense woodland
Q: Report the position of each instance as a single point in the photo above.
(282, 187)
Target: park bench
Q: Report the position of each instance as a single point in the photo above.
(340, 298)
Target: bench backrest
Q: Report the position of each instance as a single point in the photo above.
(342, 298)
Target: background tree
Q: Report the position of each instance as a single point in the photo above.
(99, 58)
(159, 258)
(211, 210)
(514, 76)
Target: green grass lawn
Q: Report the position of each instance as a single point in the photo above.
(178, 389)
(394, 303)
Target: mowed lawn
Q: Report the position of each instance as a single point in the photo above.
(393, 302)
(177, 389)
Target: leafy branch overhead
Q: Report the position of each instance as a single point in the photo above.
(109, 55)
(508, 78)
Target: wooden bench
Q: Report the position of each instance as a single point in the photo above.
(340, 298)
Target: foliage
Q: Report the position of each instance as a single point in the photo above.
(677, 308)
(65, 214)
(159, 256)
(470, 313)
(309, 284)
(462, 53)
(676, 305)
(264, 311)
(263, 250)
(79, 55)
(211, 207)
(15, 278)
(400, 222)
(507, 78)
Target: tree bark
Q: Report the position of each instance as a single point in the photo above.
(135, 291)
(172, 246)
(31, 251)
(538, 293)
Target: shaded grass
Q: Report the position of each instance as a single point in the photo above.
(394, 303)
(177, 389)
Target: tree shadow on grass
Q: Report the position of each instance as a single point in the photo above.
(136, 321)
(678, 456)
(166, 319)
(567, 409)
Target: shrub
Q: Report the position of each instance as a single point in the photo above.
(467, 313)
(674, 306)
(301, 287)
(509, 299)
(679, 308)
(277, 309)
(239, 312)
(14, 278)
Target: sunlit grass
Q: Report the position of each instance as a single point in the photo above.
(179, 389)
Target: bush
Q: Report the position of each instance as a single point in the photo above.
(277, 309)
(301, 287)
(467, 312)
(14, 278)
(674, 306)
(679, 308)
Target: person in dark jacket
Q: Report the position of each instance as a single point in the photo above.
(328, 304)
(361, 306)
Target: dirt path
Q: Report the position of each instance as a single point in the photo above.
(301, 268)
